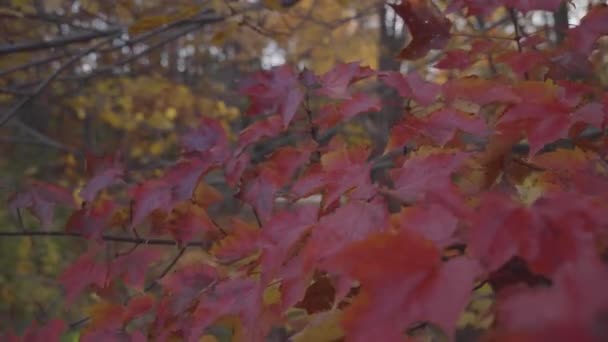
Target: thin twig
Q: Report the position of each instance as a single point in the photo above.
(26, 99)
(58, 42)
(105, 237)
(166, 270)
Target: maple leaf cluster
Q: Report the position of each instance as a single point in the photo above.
(459, 207)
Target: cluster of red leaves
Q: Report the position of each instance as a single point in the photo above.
(461, 208)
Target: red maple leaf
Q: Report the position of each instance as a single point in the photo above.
(52, 331)
(440, 126)
(334, 83)
(279, 236)
(262, 185)
(593, 25)
(106, 171)
(274, 91)
(41, 198)
(132, 267)
(351, 222)
(574, 307)
(342, 170)
(455, 59)
(403, 281)
(427, 26)
(551, 232)
(266, 128)
(240, 243)
(542, 123)
(332, 114)
(420, 176)
(432, 221)
(84, 272)
(209, 137)
(91, 220)
(149, 196)
(413, 86)
(239, 297)
(190, 223)
(183, 286)
(478, 90)
(522, 62)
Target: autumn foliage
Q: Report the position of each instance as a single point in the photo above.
(492, 182)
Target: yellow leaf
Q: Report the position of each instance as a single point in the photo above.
(273, 4)
(272, 294)
(148, 23)
(220, 37)
(323, 327)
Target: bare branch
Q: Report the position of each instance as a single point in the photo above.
(58, 42)
(105, 237)
(26, 99)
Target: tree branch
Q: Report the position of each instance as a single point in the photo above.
(26, 99)
(105, 237)
(58, 42)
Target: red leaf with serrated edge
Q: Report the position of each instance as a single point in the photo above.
(266, 128)
(234, 168)
(91, 221)
(85, 271)
(52, 331)
(240, 243)
(279, 236)
(440, 126)
(105, 171)
(593, 113)
(101, 180)
(593, 25)
(542, 123)
(150, 196)
(423, 175)
(184, 176)
(132, 267)
(572, 309)
(332, 114)
(455, 59)
(351, 222)
(342, 170)
(139, 306)
(106, 323)
(41, 198)
(184, 285)
(403, 281)
(334, 83)
(479, 91)
(427, 26)
(413, 86)
(431, 221)
(522, 62)
(240, 297)
(260, 190)
(274, 91)
(498, 230)
(209, 135)
(186, 226)
(553, 231)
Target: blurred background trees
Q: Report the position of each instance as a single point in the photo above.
(81, 77)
